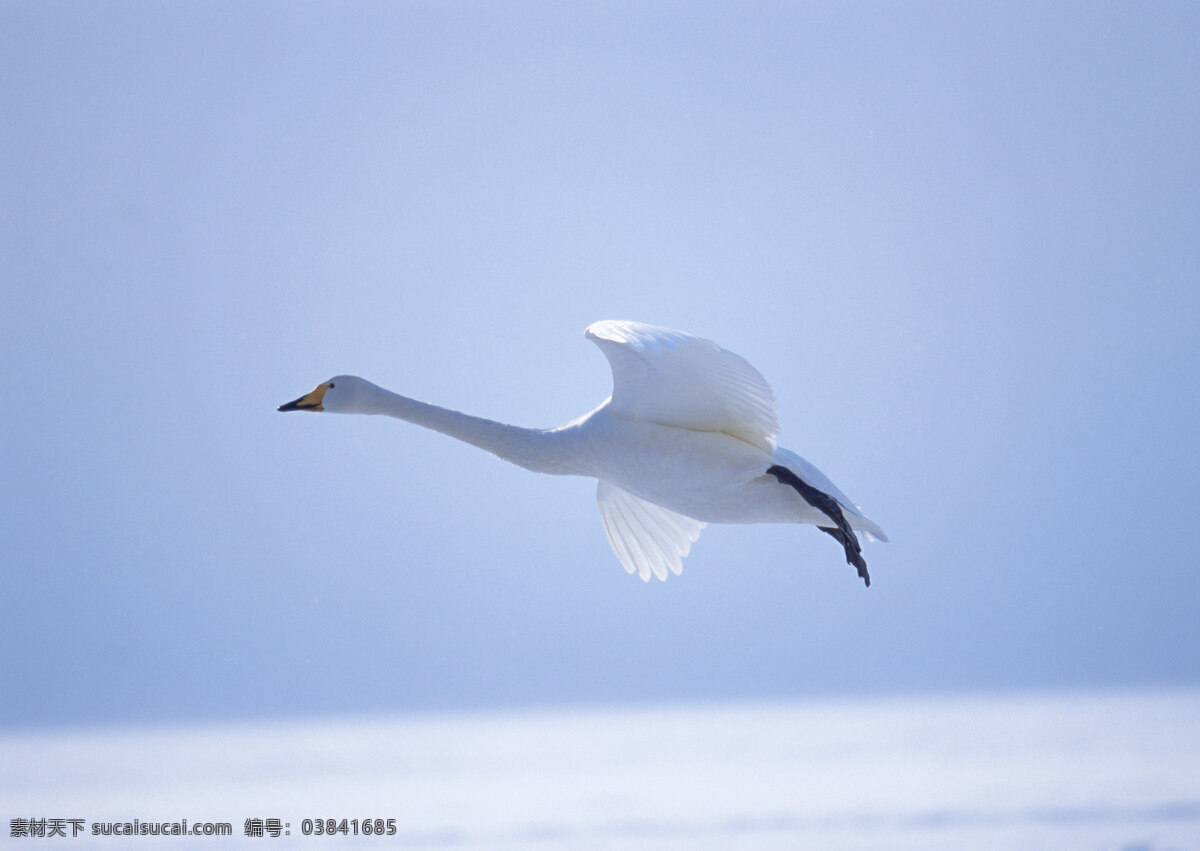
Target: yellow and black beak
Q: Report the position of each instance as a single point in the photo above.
(309, 402)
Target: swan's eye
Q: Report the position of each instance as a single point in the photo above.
(331, 385)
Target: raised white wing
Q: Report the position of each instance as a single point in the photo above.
(811, 475)
(675, 379)
(647, 538)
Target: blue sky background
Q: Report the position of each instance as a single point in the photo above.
(960, 240)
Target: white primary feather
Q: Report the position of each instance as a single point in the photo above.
(647, 538)
(675, 379)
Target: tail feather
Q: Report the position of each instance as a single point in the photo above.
(858, 521)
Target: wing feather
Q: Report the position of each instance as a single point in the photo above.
(675, 379)
(647, 538)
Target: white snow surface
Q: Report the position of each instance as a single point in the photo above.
(1103, 771)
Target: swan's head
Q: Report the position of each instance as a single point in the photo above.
(341, 394)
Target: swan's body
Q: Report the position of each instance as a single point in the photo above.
(687, 438)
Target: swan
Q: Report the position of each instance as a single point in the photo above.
(687, 438)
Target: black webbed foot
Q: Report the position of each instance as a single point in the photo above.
(853, 551)
(827, 505)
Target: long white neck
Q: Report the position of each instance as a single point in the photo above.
(540, 450)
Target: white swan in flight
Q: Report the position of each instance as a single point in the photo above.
(686, 439)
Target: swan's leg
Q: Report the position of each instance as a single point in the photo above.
(827, 505)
